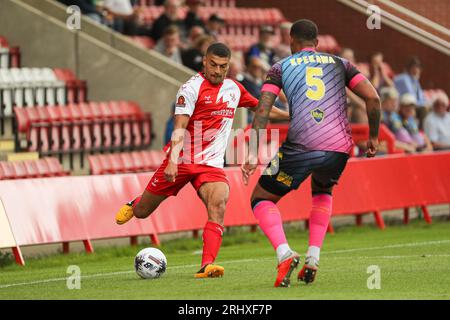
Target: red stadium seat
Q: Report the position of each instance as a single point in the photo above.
(31, 168)
(138, 161)
(105, 164)
(117, 165)
(23, 123)
(153, 159)
(128, 162)
(20, 170)
(43, 168)
(7, 170)
(95, 165)
(55, 167)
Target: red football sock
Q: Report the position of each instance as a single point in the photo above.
(135, 201)
(212, 239)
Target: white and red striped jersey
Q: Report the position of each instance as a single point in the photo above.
(211, 109)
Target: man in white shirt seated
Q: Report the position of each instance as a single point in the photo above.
(437, 124)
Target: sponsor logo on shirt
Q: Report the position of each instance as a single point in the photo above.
(317, 115)
(227, 113)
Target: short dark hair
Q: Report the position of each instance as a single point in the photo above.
(413, 61)
(303, 30)
(219, 49)
(170, 30)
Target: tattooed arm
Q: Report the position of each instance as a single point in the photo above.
(259, 122)
(275, 114)
(367, 92)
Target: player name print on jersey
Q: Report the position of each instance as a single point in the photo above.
(314, 84)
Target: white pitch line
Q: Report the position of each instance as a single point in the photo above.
(400, 245)
(108, 274)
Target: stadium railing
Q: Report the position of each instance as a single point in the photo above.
(83, 208)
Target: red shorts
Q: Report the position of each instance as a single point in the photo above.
(197, 174)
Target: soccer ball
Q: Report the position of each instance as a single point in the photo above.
(150, 263)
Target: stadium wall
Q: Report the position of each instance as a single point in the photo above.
(349, 28)
(111, 74)
(435, 10)
(66, 209)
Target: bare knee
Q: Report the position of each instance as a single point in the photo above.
(148, 203)
(141, 211)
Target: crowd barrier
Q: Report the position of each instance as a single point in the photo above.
(64, 209)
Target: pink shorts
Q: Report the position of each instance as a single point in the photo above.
(197, 174)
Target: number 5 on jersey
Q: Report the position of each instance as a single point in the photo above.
(313, 80)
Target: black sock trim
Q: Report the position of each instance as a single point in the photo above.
(256, 201)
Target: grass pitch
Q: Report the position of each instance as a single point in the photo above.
(414, 263)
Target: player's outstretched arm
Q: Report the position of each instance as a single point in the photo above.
(367, 92)
(276, 114)
(262, 112)
(176, 144)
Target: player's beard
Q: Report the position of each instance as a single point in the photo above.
(216, 79)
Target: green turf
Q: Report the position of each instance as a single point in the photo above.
(414, 261)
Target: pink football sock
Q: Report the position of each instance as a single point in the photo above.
(269, 218)
(319, 218)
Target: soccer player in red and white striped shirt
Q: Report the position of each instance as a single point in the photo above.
(204, 112)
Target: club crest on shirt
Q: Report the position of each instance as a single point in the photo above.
(181, 102)
(317, 115)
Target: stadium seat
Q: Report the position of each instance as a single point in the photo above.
(76, 89)
(55, 167)
(9, 56)
(360, 133)
(31, 168)
(46, 167)
(83, 128)
(126, 162)
(43, 168)
(7, 170)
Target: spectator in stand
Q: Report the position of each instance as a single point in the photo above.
(236, 67)
(168, 18)
(215, 23)
(263, 49)
(378, 75)
(283, 49)
(437, 124)
(193, 57)
(403, 124)
(192, 17)
(169, 44)
(123, 17)
(194, 34)
(254, 76)
(253, 80)
(356, 108)
(348, 54)
(408, 82)
(407, 112)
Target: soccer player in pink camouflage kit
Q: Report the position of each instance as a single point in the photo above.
(318, 142)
